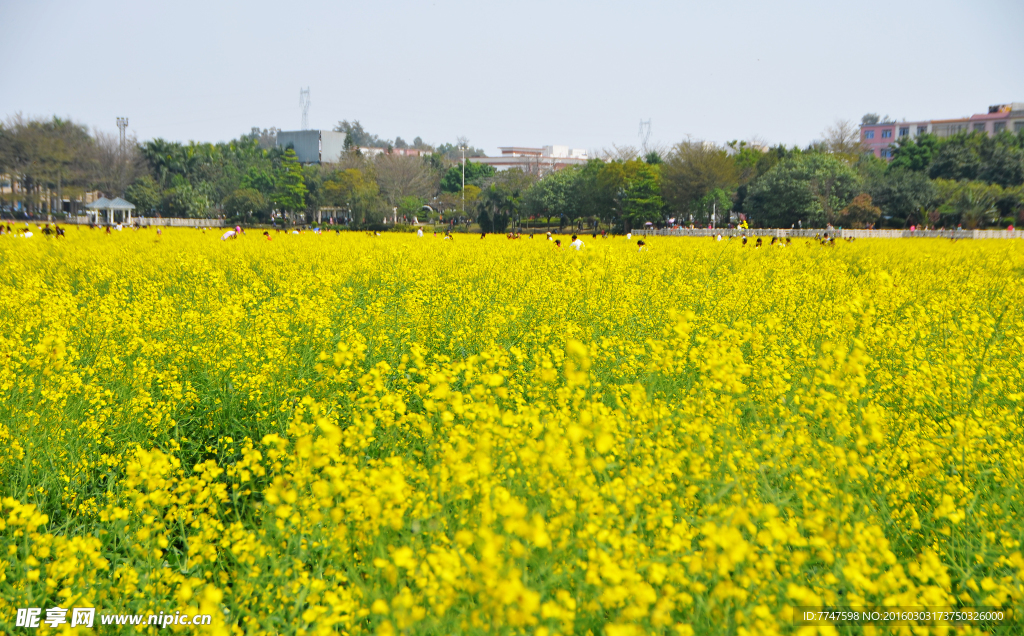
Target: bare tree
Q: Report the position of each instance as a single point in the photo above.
(693, 170)
(399, 176)
(115, 167)
(620, 153)
(843, 138)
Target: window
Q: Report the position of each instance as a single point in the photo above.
(887, 133)
(979, 127)
(870, 134)
(922, 130)
(1018, 126)
(904, 131)
(998, 127)
(886, 154)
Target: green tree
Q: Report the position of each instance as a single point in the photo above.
(812, 188)
(245, 203)
(713, 207)
(694, 169)
(553, 197)
(290, 194)
(972, 204)
(958, 157)
(475, 172)
(185, 201)
(903, 195)
(860, 212)
(1003, 161)
(411, 206)
(260, 179)
(356, 136)
(641, 196)
(914, 153)
(355, 193)
(145, 194)
(501, 200)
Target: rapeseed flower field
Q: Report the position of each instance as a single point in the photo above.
(403, 435)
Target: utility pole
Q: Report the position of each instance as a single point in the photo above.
(122, 123)
(304, 103)
(463, 149)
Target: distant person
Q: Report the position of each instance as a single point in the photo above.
(419, 232)
(230, 234)
(576, 243)
(641, 246)
(558, 244)
(266, 235)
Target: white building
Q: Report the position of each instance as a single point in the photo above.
(535, 160)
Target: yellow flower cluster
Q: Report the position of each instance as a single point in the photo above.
(402, 435)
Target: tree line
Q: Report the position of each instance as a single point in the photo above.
(968, 179)
(43, 162)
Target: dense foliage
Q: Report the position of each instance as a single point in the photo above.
(969, 179)
(346, 434)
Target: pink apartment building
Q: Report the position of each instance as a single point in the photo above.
(1003, 117)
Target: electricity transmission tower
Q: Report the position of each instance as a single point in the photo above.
(122, 123)
(645, 135)
(304, 103)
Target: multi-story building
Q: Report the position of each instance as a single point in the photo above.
(878, 138)
(535, 160)
(314, 146)
(403, 152)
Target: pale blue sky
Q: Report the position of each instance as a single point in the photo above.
(581, 74)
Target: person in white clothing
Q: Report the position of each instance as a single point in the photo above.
(230, 234)
(576, 243)
(419, 232)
